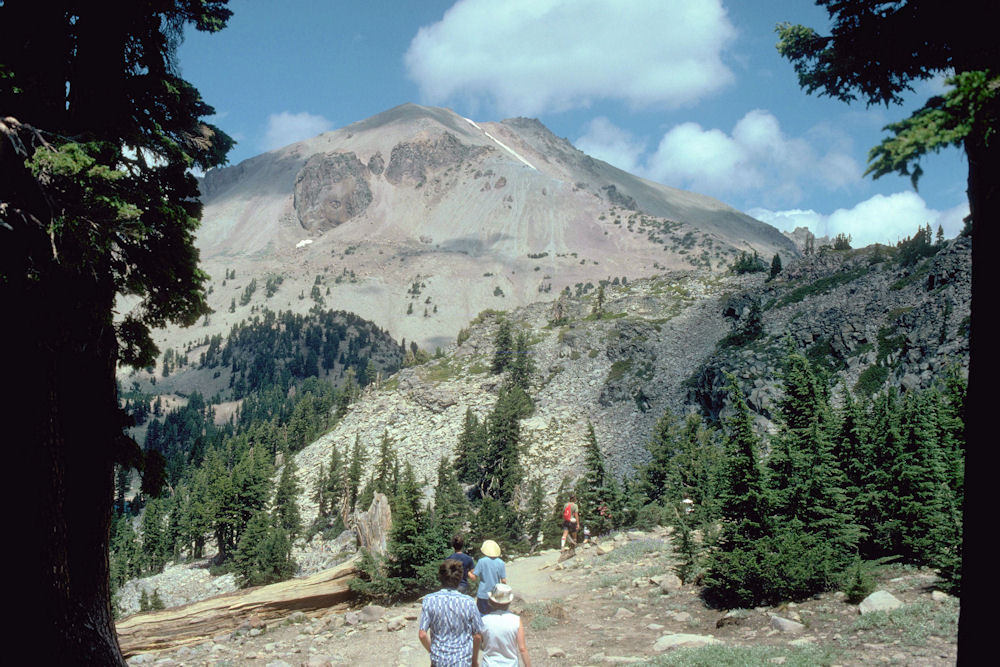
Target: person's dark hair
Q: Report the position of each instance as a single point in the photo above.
(450, 573)
(572, 498)
(457, 543)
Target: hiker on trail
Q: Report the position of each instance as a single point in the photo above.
(503, 633)
(490, 570)
(571, 521)
(450, 625)
(467, 561)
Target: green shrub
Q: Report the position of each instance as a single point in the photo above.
(871, 380)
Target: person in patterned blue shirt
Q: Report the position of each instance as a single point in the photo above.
(451, 627)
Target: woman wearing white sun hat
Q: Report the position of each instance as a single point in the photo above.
(503, 632)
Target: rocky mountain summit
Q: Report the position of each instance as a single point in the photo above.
(477, 215)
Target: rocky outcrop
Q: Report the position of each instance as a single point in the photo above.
(330, 189)
(859, 314)
(410, 162)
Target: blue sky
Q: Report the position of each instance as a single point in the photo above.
(689, 93)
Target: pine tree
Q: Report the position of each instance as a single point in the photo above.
(412, 553)
(264, 553)
(597, 492)
(738, 573)
(470, 450)
(878, 500)
(354, 472)
(661, 446)
(503, 344)
(521, 365)
(286, 509)
(807, 482)
(775, 266)
(385, 478)
(501, 470)
(536, 512)
(451, 508)
(336, 484)
(154, 542)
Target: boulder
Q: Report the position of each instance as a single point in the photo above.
(786, 626)
(667, 642)
(879, 601)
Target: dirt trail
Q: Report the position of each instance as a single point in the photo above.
(620, 607)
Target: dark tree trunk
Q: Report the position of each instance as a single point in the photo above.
(984, 204)
(66, 402)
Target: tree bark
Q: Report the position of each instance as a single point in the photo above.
(984, 206)
(67, 404)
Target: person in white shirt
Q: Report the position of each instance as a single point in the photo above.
(503, 632)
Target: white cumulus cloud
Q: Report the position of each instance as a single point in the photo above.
(606, 141)
(756, 158)
(531, 56)
(286, 128)
(880, 219)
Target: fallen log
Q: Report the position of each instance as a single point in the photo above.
(197, 621)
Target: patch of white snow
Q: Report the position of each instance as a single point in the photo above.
(303, 243)
(501, 144)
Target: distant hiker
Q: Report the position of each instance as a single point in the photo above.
(490, 570)
(571, 521)
(467, 561)
(451, 627)
(503, 633)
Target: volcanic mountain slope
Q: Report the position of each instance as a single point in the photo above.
(418, 219)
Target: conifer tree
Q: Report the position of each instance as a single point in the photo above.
(451, 508)
(878, 499)
(661, 447)
(154, 539)
(413, 553)
(320, 493)
(597, 492)
(738, 573)
(470, 450)
(807, 483)
(125, 557)
(286, 509)
(336, 483)
(503, 344)
(264, 553)
(354, 472)
(927, 521)
(499, 521)
(385, 478)
(853, 452)
(521, 365)
(501, 471)
(536, 512)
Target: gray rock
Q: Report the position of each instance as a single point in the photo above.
(786, 626)
(879, 601)
(372, 613)
(681, 639)
(396, 623)
(556, 652)
(624, 613)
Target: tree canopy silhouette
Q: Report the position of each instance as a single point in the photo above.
(98, 134)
